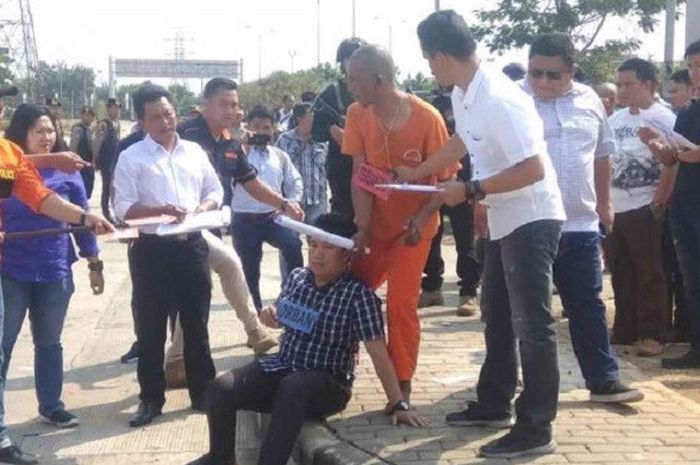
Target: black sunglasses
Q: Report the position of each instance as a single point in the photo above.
(539, 73)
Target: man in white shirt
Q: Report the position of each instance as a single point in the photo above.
(252, 222)
(163, 174)
(641, 190)
(498, 125)
(579, 142)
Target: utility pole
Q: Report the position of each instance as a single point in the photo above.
(670, 35)
(437, 5)
(353, 19)
(318, 32)
(292, 54)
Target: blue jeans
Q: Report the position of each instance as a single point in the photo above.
(684, 221)
(516, 304)
(249, 231)
(579, 279)
(47, 303)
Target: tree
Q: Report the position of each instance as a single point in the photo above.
(72, 85)
(270, 89)
(516, 23)
(418, 83)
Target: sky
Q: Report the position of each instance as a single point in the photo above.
(88, 32)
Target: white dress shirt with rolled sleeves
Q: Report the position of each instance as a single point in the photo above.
(500, 127)
(149, 175)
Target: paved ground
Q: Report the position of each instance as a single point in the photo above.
(663, 428)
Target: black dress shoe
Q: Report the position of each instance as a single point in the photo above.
(13, 454)
(144, 415)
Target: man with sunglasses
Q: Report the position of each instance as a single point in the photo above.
(579, 142)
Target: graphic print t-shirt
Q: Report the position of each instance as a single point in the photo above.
(636, 172)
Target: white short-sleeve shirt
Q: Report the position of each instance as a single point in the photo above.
(577, 133)
(500, 127)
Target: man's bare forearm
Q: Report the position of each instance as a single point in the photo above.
(141, 211)
(601, 176)
(453, 150)
(362, 201)
(263, 193)
(384, 369)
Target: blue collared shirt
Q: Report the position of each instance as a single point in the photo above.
(48, 258)
(274, 169)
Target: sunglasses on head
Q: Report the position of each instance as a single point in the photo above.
(540, 73)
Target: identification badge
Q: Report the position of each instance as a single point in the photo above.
(366, 177)
(295, 316)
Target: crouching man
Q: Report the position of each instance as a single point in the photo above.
(325, 312)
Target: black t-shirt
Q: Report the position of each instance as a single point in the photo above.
(225, 154)
(329, 109)
(687, 189)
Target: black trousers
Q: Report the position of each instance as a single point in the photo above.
(169, 271)
(468, 267)
(339, 174)
(291, 398)
(106, 193)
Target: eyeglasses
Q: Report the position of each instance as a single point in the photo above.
(551, 75)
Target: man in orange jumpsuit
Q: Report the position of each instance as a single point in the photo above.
(384, 129)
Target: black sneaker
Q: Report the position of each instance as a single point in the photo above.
(512, 446)
(614, 392)
(62, 419)
(132, 356)
(13, 454)
(690, 359)
(474, 415)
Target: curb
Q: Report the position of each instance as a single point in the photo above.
(318, 445)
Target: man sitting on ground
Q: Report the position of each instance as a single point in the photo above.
(325, 312)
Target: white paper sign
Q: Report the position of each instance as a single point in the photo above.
(213, 219)
(316, 233)
(410, 187)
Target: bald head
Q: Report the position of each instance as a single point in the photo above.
(607, 92)
(377, 62)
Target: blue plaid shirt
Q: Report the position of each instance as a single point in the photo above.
(348, 312)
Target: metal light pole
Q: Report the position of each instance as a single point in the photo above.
(292, 54)
(670, 35)
(259, 55)
(353, 18)
(437, 5)
(318, 32)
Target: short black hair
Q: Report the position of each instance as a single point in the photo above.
(216, 84)
(336, 223)
(299, 111)
(554, 44)
(347, 47)
(644, 70)
(446, 32)
(681, 77)
(692, 49)
(515, 71)
(149, 93)
(308, 96)
(261, 111)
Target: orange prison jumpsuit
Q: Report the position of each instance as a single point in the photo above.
(389, 258)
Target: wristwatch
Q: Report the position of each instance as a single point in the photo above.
(474, 191)
(97, 265)
(401, 406)
(283, 207)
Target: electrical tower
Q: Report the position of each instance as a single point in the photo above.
(178, 54)
(19, 44)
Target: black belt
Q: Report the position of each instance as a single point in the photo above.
(174, 237)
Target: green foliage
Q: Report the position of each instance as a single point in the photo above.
(6, 76)
(271, 88)
(515, 23)
(418, 83)
(72, 84)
